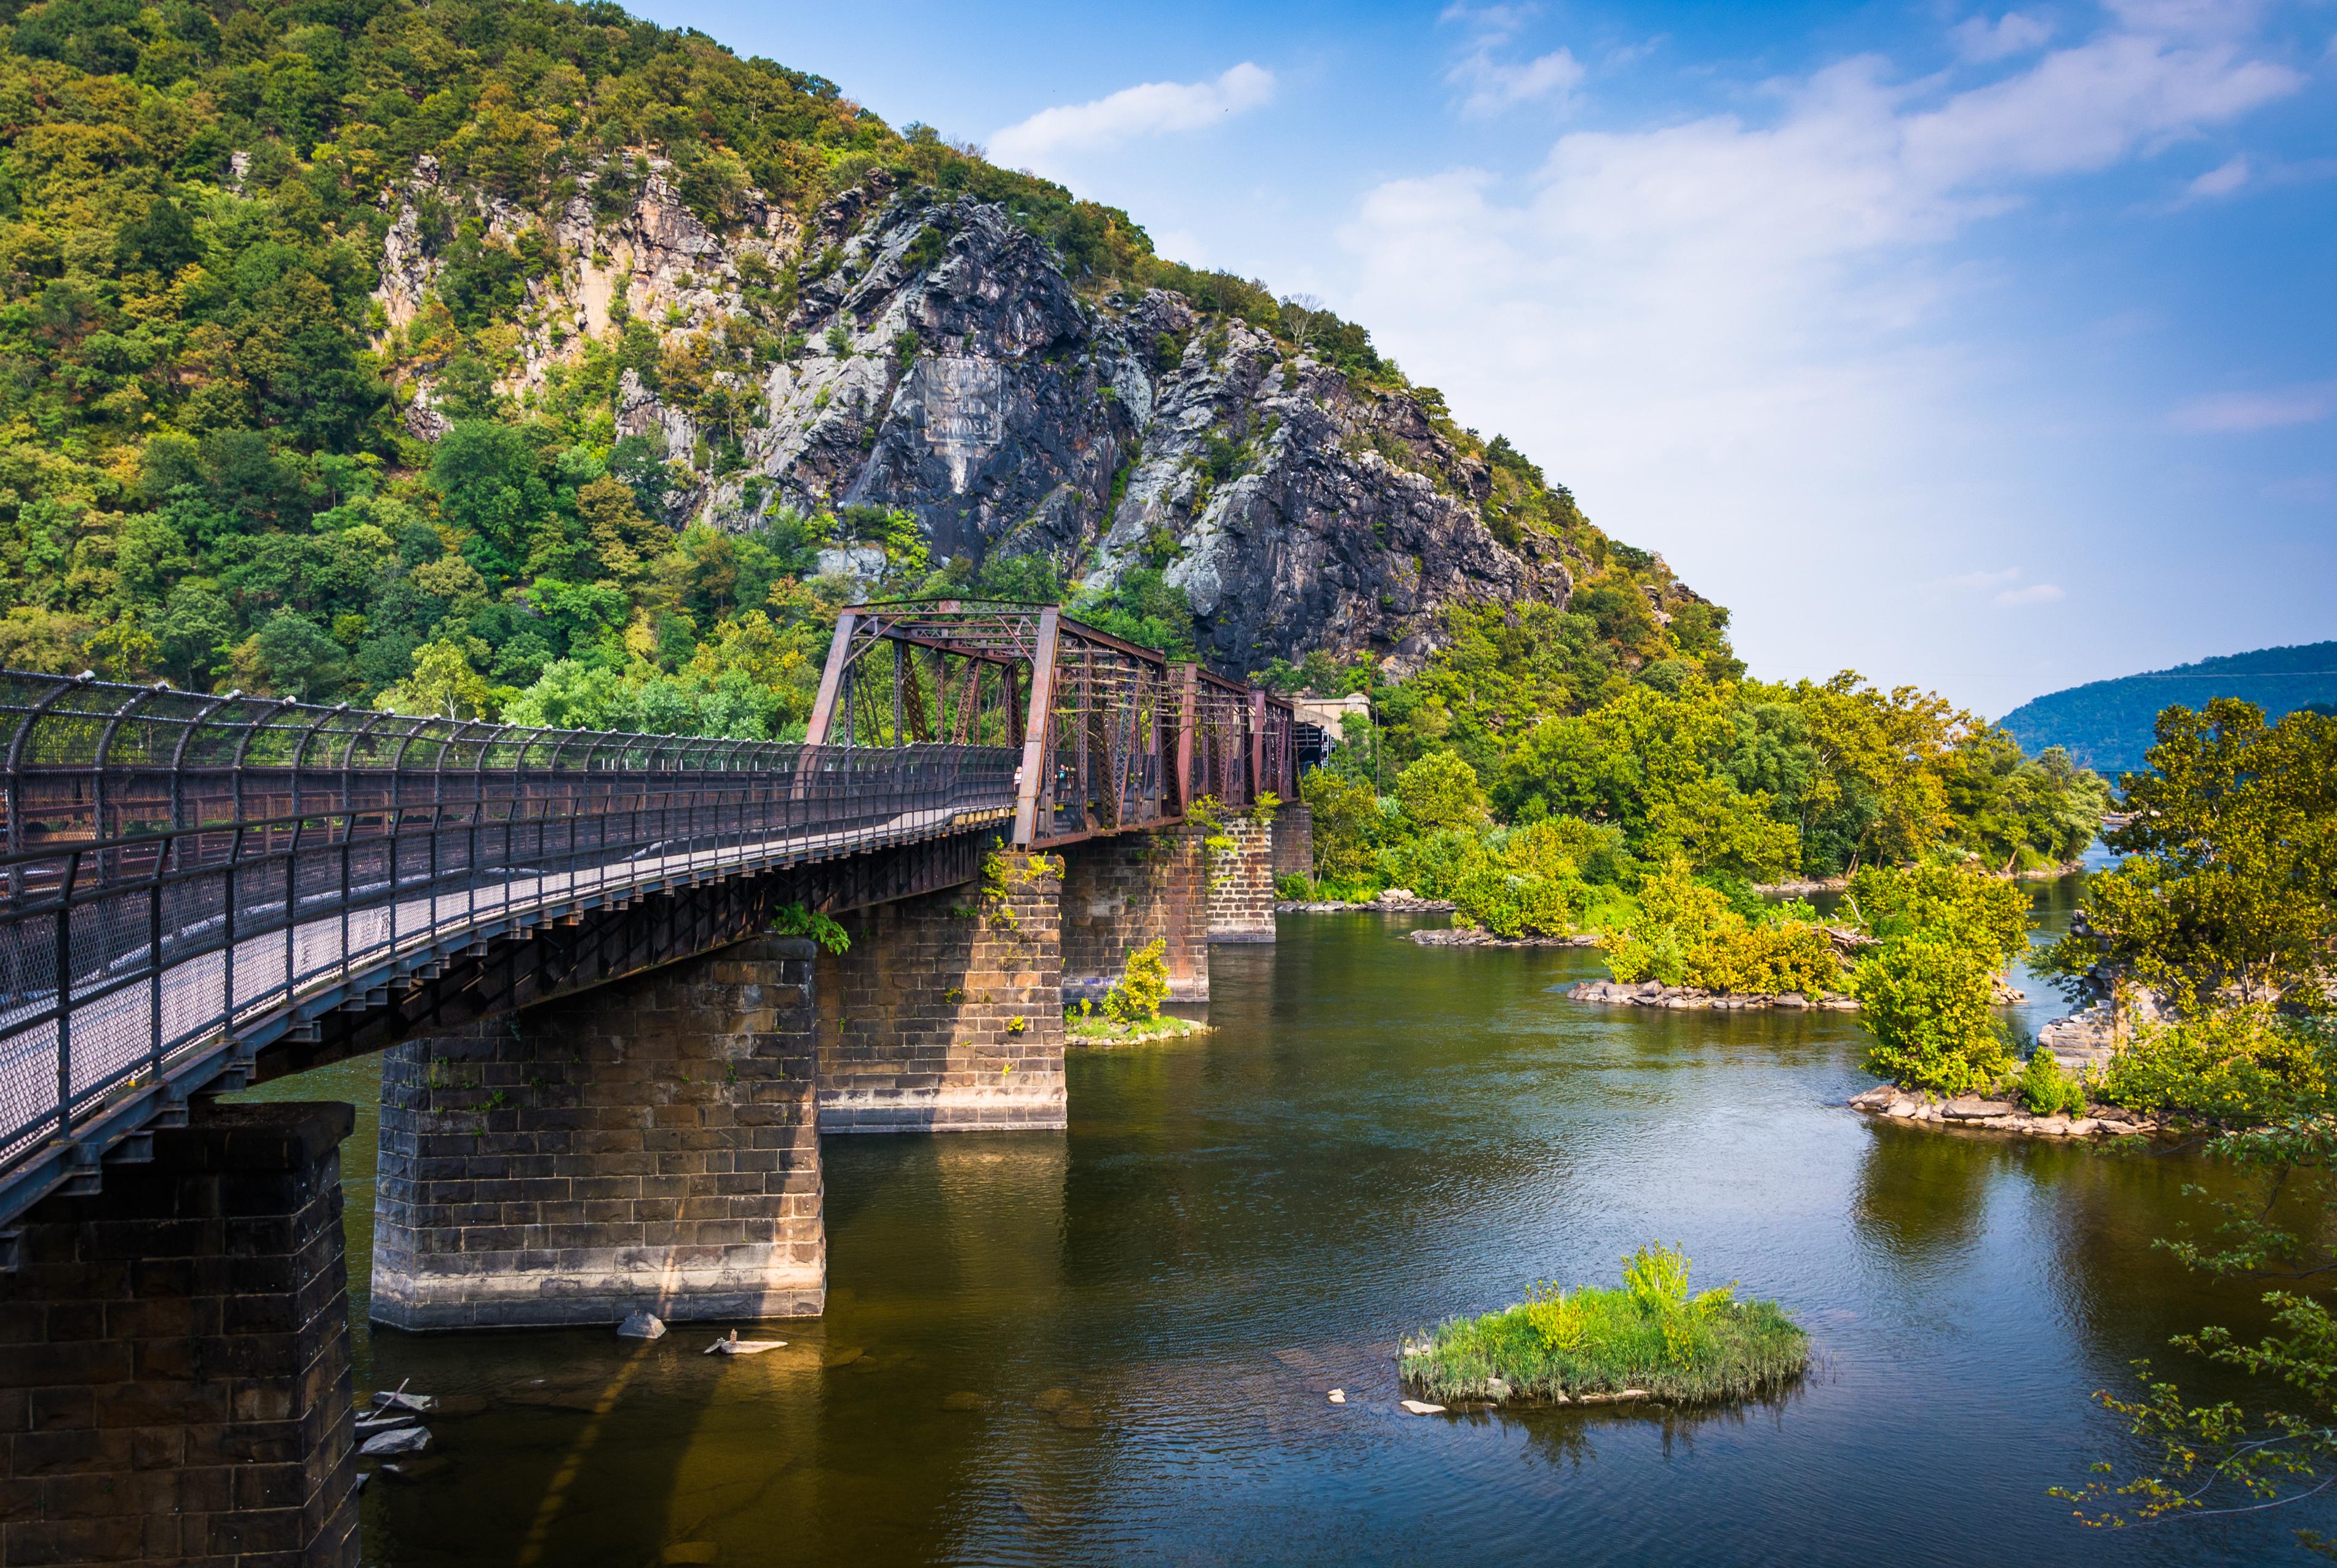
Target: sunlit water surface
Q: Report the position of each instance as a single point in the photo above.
(1145, 1313)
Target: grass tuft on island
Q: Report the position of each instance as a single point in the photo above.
(1648, 1338)
(1095, 1029)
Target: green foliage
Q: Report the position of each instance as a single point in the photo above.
(1141, 606)
(1925, 998)
(1686, 933)
(2229, 882)
(797, 920)
(1440, 790)
(1138, 995)
(1988, 914)
(2047, 1089)
(2243, 1065)
(2213, 1459)
(1651, 1336)
(1344, 815)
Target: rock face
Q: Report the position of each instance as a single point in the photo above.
(934, 358)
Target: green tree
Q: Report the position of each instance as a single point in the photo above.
(1440, 790)
(2230, 876)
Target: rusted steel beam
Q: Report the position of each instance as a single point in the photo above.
(839, 656)
(1038, 731)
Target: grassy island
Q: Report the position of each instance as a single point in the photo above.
(1649, 1339)
(1131, 1011)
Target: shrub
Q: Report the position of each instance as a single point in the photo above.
(1924, 998)
(1344, 812)
(797, 920)
(1140, 991)
(1686, 933)
(2047, 1089)
(2245, 1064)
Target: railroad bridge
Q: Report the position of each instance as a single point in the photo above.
(606, 1070)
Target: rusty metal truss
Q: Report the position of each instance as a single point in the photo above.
(1115, 738)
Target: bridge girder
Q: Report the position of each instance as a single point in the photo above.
(1115, 738)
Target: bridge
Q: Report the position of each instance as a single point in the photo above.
(606, 1076)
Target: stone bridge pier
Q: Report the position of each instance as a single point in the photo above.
(653, 1143)
(174, 1354)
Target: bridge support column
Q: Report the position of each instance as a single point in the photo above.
(1293, 840)
(1120, 893)
(174, 1354)
(1241, 883)
(649, 1144)
(946, 1012)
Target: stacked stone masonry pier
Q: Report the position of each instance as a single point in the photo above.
(1241, 883)
(946, 1013)
(174, 1355)
(650, 1145)
(1122, 894)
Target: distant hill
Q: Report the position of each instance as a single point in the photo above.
(2106, 723)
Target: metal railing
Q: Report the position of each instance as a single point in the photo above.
(188, 877)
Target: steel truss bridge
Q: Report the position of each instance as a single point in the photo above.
(202, 891)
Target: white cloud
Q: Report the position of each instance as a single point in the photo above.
(1978, 38)
(1746, 343)
(2240, 411)
(1982, 579)
(1492, 83)
(1152, 109)
(2220, 180)
(2035, 593)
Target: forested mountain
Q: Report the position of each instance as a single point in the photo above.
(2107, 725)
(513, 355)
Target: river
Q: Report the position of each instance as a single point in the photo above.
(1139, 1320)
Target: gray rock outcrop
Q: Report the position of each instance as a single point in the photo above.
(932, 358)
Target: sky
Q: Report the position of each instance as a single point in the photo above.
(1991, 350)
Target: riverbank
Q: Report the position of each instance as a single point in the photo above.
(1655, 994)
(1971, 1113)
(1478, 936)
(1837, 884)
(1098, 1032)
(1390, 902)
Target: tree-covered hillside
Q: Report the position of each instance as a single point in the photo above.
(2107, 725)
(209, 468)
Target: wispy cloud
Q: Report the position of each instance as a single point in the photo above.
(2036, 593)
(2237, 412)
(1493, 83)
(1978, 38)
(1971, 580)
(2220, 180)
(1752, 325)
(1151, 109)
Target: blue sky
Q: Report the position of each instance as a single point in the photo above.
(1991, 350)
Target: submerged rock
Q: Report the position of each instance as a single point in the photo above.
(1422, 1406)
(640, 1326)
(735, 1346)
(404, 1440)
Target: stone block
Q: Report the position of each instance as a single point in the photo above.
(622, 1117)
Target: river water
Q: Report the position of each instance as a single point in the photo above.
(1113, 1345)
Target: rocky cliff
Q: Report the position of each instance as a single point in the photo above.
(904, 351)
